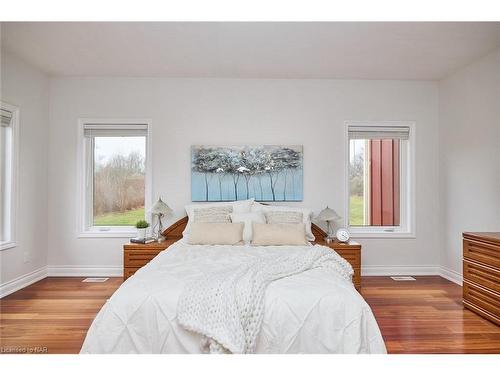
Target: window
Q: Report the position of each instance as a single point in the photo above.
(380, 179)
(116, 176)
(8, 151)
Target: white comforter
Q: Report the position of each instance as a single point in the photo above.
(311, 312)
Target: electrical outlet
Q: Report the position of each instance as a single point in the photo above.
(27, 257)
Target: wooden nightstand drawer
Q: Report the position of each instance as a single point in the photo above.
(356, 278)
(139, 258)
(351, 252)
(352, 256)
(129, 271)
(136, 256)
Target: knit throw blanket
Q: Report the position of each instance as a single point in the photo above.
(227, 307)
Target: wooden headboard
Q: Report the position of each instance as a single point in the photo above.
(175, 230)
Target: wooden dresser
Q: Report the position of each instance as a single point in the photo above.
(350, 251)
(136, 255)
(481, 270)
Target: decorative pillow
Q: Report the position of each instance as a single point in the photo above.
(284, 217)
(220, 214)
(279, 234)
(248, 218)
(238, 206)
(216, 233)
(306, 219)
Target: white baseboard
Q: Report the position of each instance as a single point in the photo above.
(22, 281)
(399, 270)
(117, 271)
(444, 272)
(451, 275)
(77, 271)
(70, 271)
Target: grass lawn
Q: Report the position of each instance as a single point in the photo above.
(120, 218)
(356, 210)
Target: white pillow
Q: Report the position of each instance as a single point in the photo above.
(279, 234)
(213, 214)
(238, 207)
(248, 218)
(306, 215)
(284, 217)
(216, 234)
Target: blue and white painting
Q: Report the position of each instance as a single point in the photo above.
(229, 173)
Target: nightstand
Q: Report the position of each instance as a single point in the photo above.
(137, 255)
(350, 251)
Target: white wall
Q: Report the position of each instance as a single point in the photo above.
(27, 88)
(458, 162)
(226, 111)
(469, 119)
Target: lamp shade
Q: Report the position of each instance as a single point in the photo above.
(160, 208)
(327, 214)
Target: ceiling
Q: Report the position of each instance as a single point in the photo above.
(349, 50)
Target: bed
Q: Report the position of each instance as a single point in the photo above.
(315, 311)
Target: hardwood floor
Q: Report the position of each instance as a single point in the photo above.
(426, 316)
(54, 313)
(422, 316)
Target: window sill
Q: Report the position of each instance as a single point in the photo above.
(408, 235)
(7, 245)
(108, 234)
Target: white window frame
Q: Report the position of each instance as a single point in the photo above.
(85, 230)
(406, 229)
(12, 183)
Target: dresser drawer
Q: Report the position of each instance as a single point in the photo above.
(138, 258)
(483, 298)
(487, 277)
(485, 314)
(482, 252)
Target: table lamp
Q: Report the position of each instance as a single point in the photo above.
(159, 209)
(328, 215)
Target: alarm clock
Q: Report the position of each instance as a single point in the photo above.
(343, 235)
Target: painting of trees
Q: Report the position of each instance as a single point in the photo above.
(289, 160)
(266, 173)
(205, 162)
